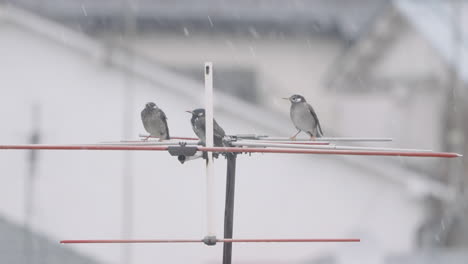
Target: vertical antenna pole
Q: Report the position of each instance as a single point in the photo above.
(210, 188)
(29, 189)
(229, 207)
(127, 213)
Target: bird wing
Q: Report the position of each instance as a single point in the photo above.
(144, 118)
(311, 109)
(218, 130)
(165, 127)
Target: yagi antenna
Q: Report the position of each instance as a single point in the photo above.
(183, 147)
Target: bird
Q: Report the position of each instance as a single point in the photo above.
(304, 117)
(155, 121)
(198, 126)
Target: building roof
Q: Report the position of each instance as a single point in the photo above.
(434, 20)
(433, 256)
(19, 246)
(342, 17)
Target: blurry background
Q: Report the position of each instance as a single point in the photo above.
(81, 72)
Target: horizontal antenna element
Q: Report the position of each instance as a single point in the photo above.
(366, 152)
(222, 240)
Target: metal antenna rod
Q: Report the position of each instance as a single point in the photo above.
(239, 150)
(226, 240)
(352, 139)
(210, 180)
(29, 188)
(229, 207)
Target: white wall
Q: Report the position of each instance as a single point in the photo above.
(407, 101)
(284, 66)
(410, 56)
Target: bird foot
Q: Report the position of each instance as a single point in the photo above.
(146, 138)
(313, 138)
(293, 138)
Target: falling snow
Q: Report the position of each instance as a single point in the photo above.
(366, 73)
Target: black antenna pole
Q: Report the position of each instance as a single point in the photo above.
(229, 207)
(29, 187)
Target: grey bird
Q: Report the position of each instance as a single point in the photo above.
(198, 126)
(155, 121)
(304, 117)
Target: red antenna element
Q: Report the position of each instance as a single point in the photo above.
(82, 147)
(336, 152)
(225, 240)
(120, 241)
(240, 150)
(292, 240)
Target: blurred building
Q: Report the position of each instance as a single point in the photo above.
(431, 257)
(409, 66)
(263, 50)
(402, 66)
(92, 87)
(19, 246)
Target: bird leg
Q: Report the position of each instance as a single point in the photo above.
(295, 135)
(312, 137)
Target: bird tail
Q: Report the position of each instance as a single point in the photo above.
(167, 133)
(319, 130)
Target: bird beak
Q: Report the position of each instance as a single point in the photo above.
(190, 112)
(285, 98)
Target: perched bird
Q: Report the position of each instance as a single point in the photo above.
(304, 117)
(155, 121)
(198, 126)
